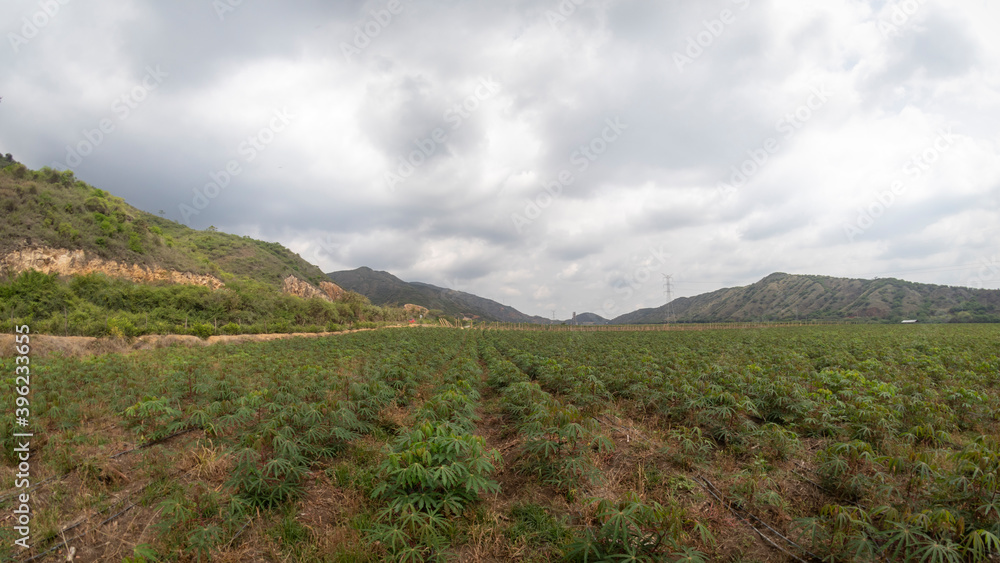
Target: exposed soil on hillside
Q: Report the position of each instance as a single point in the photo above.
(43, 344)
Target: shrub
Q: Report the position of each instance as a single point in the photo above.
(135, 243)
(122, 327)
(231, 328)
(67, 230)
(632, 531)
(437, 469)
(202, 330)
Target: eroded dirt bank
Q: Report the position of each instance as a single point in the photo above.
(42, 344)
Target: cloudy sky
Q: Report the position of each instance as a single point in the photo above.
(552, 155)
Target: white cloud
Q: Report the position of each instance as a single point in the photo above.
(320, 186)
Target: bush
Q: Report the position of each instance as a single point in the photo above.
(334, 327)
(122, 327)
(202, 330)
(631, 531)
(231, 328)
(436, 469)
(66, 230)
(135, 243)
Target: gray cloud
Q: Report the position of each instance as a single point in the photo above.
(320, 186)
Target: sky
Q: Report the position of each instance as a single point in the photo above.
(557, 156)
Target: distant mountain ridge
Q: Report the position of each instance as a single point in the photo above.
(383, 288)
(777, 297)
(52, 217)
(587, 319)
(785, 297)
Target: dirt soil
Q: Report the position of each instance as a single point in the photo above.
(43, 344)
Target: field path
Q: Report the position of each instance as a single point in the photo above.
(44, 344)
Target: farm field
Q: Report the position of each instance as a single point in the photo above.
(833, 443)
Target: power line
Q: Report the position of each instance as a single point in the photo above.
(669, 292)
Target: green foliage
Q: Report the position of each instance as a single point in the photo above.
(87, 305)
(557, 437)
(630, 530)
(153, 418)
(54, 209)
(857, 443)
(135, 243)
(534, 525)
(122, 327)
(202, 330)
(436, 469)
(267, 483)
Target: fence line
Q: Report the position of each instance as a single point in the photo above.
(653, 328)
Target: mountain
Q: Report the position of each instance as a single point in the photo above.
(383, 288)
(785, 297)
(54, 211)
(587, 319)
(76, 260)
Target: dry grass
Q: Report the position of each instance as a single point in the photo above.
(210, 462)
(79, 346)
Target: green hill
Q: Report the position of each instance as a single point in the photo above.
(785, 297)
(230, 284)
(384, 288)
(53, 209)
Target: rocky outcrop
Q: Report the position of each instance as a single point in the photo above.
(333, 290)
(327, 291)
(76, 262)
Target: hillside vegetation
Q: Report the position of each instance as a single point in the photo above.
(54, 210)
(383, 288)
(783, 297)
(833, 443)
(96, 305)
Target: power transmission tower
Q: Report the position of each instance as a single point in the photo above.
(668, 292)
